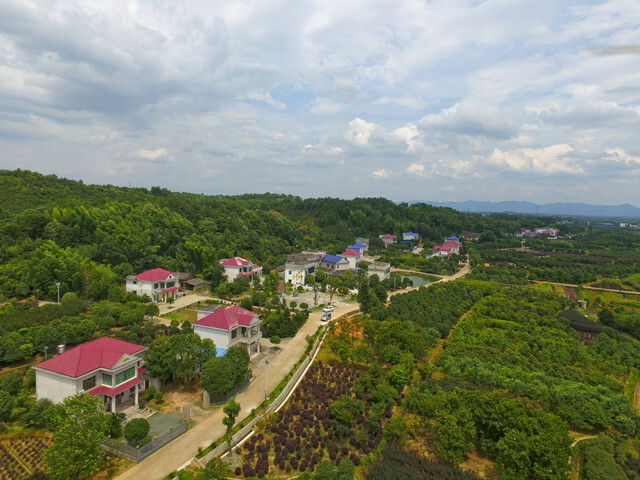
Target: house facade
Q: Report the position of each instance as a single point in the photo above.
(410, 236)
(299, 265)
(229, 326)
(239, 267)
(334, 262)
(159, 284)
(354, 258)
(383, 270)
(389, 239)
(361, 248)
(107, 368)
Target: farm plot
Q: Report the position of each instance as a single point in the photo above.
(323, 420)
(21, 456)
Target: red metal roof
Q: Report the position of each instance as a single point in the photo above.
(281, 287)
(104, 352)
(114, 391)
(155, 275)
(167, 290)
(388, 235)
(227, 318)
(351, 253)
(235, 262)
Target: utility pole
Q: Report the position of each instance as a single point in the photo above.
(58, 285)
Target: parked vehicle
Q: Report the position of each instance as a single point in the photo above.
(326, 317)
(328, 308)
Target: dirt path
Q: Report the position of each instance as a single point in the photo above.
(440, 348)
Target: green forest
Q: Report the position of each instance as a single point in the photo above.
(492, 376)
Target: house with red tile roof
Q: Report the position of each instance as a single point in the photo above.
(107, 368)
(159, 284)
(229, 326)
(239, 267)
(389, 239)
(353, 257)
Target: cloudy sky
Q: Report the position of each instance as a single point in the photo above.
(412, 100)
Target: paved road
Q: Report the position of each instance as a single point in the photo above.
(182, 302)
(181, 451)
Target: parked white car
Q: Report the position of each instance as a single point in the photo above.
(328, 308)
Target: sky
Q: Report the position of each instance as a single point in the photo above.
(415, 100)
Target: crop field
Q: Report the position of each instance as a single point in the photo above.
(21, 456)
(310, 428)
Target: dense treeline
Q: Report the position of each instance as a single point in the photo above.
(88, 237)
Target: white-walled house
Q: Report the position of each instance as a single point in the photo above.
(389, 239)
(334, 262)
(240, 267)
(231, 326)
(361, 248)
(383, 270)
(410, 236)
(158, 283)
(108, 368)
(354, 258)
(299, 265)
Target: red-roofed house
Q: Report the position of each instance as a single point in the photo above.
(239, 267)
(354, 258)
(106, 367)
(388, 239)
(158, 283)
(231, 326)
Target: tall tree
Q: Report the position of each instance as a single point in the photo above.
(231, 410)
(78, 428)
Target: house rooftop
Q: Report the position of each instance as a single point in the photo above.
(155, 275)
(388, 235)
(332, 259)
(235, 262)
(350, 253)
(104, 352)
(228, 318)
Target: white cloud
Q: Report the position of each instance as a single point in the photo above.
(549, 160)
(359, 131)
(156, 155)
(416, 168)
(382, 173)
(620, 156)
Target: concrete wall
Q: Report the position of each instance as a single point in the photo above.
(55, 387)
(221, 338)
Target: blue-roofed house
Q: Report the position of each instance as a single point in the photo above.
(452, 238)
(334, 262)
(410, 236)
(359, 247)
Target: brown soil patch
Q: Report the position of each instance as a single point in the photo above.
(175, 398)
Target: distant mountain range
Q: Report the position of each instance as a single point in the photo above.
(623, 211)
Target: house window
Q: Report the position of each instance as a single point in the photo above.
(234, 333)
(155, 286)
(126, 375)
(89, 383)
(107, 379)
(170, 284)
(134, 282)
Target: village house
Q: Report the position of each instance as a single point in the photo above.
(158, 283)
(550, 231)
(334, 262)
(229, 326)
(383, 270)
(107, 368)
(361, 248)
(410, 236)
(354, 258)
(239, 267)
(299, 265)
(470, 236)
(389, 239)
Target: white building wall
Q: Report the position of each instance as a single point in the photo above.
(54, 387)
(220, 338)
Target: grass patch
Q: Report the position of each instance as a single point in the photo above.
(630, 385)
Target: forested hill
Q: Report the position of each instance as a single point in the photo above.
(89, 237)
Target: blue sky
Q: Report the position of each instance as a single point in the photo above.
(413, 100)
